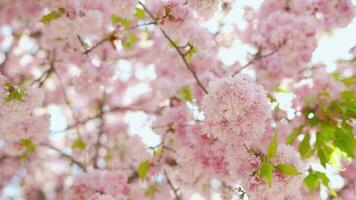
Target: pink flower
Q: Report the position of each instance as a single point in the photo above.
(236, 110)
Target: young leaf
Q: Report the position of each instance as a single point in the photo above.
(79, 144)
(191, 52)
(140, 13)
(143, 169)
(349, 80)
(291, 137)
(324, 153)
(185, 94)
(150, 190)
(46, 19)
(322, 177)
(266, 172)
(282, 90)
(158, 151)
(28, 147)
(311, 181)
(14, 93)
(272, 147)
(304, 147)
(327, 133)
(287, 169)
(348, 96)
(130, 41)
(345, 141)
(124, 22)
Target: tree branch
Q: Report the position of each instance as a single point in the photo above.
(70, 158)
(109, 38)
(258, 57)
(101, 132)
(181, 54)
(174, 189)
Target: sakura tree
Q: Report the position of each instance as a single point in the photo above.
(130, 100)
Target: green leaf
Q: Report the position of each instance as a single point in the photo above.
(315, 178)
(266, 172)
(174, 42)
(324, 153)
(28, 147)
(79, 144)
(326, 133)
(311, 181)
(349, 81)
(14, 93)
(287, 169)
(272, 147)
(158, 151)
(130, 41)
(150, 190)
(322, 177)
(185, 94)
(46, 19)
(115, 19)
(291, 137)
(281, 90)
(348, 96)
(191, 52)
(126, 23)
(304, 147)
(345, 141)
(140, 13)
(143, 169)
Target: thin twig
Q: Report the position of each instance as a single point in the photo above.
(69, 157)
(87, 51)
(181, 54)
(256, 59)
(97, 145)
(140, 25)
(108, 38)
(44, 76)
(174, 189)
(66, 98)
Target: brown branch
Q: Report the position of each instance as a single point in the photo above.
(257, 57)
(133, 107)
(97, 145)
(109, 38)
(173, 188)
(177, 48)
(140, 25)
(66, 98)
(87, 51)
(114, 109)
(44, 76)
(69, 157)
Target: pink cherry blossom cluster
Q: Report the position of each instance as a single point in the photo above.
(100, 185)
(287, 31)
(19, 122)
(236, 109)
(283, 186)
